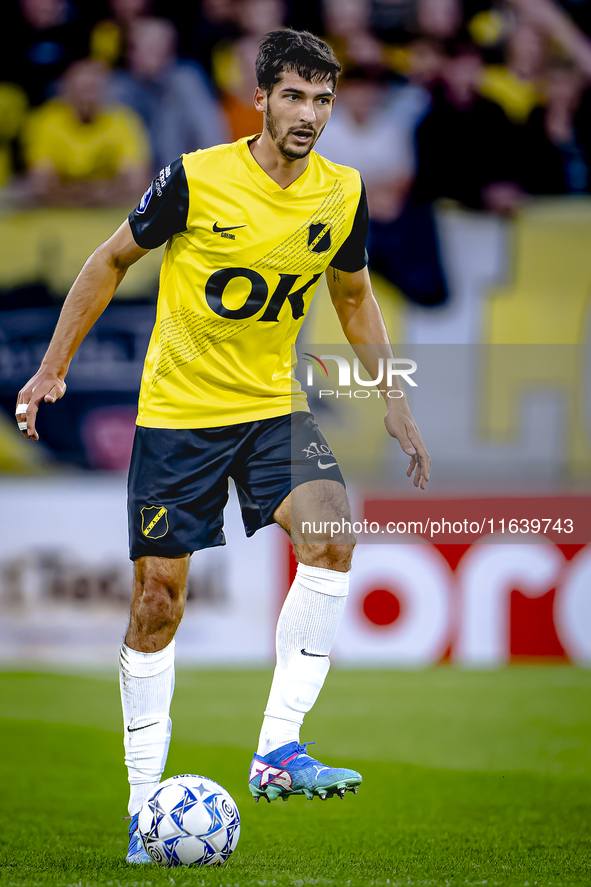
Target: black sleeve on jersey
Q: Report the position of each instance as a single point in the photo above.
(352, 256)
(163, 209)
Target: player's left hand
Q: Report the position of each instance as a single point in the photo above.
(400, 424)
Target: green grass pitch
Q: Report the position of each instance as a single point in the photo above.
(469, 778)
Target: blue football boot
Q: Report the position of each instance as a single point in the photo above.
(290, 771)
(136, 852)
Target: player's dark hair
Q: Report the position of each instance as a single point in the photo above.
(297, 51)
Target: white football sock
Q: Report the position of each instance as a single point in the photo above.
(147, 685)
(306, 631)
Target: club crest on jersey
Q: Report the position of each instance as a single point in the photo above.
(154, 521)
(319, 237)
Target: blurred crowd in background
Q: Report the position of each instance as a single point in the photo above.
(480, 102)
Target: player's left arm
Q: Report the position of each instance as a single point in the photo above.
(364, 327)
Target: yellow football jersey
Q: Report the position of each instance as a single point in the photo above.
(241, 265)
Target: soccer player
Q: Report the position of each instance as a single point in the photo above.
(250, 228)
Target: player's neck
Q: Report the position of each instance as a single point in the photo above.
(279, 168)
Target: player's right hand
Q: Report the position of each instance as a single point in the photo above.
(44, 386)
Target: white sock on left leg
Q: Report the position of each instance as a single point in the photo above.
(306, 630)
(147, 685)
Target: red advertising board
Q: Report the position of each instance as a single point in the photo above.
(480, 602)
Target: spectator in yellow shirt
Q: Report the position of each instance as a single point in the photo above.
(541, 26)
(516, 86)
(81, 152)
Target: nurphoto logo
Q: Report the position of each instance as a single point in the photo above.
(388, 370)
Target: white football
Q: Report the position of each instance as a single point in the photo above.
(189, 820)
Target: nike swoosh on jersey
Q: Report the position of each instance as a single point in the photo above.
(304, 652)
(218, 230)
(145, 727)
(328, 464)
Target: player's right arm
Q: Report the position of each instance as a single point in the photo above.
(90, 294)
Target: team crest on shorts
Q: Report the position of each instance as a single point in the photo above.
(154, 521)
(319, 237)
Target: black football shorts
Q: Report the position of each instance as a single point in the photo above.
(178, 479)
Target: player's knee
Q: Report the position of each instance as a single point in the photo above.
(167, 574)
(160, 593)
(330, 556)
(157, 610)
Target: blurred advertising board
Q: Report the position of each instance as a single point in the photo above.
(478, 606)
(65, 584)
(47, 247)
(65, 579)
(92, 426)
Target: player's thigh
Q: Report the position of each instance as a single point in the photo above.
(317, 512)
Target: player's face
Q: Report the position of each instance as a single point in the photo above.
(296, 113)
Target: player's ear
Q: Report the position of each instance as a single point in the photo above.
(260, 99)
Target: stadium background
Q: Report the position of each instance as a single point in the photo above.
(470, 124)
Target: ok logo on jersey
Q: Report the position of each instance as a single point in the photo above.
(257, 297)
